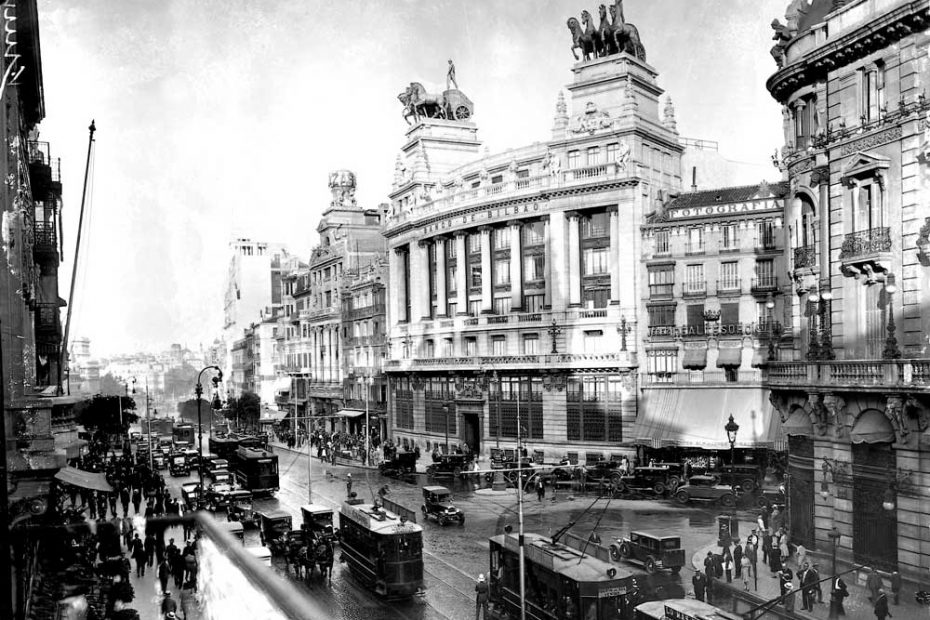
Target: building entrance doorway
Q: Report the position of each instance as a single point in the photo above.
(471, 431)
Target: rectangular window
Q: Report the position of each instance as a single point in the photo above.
(694, 279)
(594, 156)
(502, 305)
(534, 233)
(530, 344)
(729, 318)
(474, 243)
(497, 178)
(475, 276)
(661, 281)
(451, 278)
(612, 150)
(595, 226)
(447, 350)
(762, 315)
(729, 277)
(662, 316)
(498, 345)
(501, 271)
(534, 267)
(595, 261)
(450, 248)
(695, 241)
(662, 364)
(662, 246)
(695, 315)
(474, 307)
(533, 303)
(329, 298)
(574, 157)
(430, 349)
(765, 235)
(765, 274)
(593, 341)
(451, 308)
(596, 297)
(728, 240)
(501, 238)
(471, 346)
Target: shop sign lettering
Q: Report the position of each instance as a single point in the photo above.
(729, 329)
(11, 59)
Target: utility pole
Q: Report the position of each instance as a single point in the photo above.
(6, 558)
(148, 422)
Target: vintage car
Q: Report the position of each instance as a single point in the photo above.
(604, 471)
(160, 460)
(769, 498)
(238, 507)
(707, 489)
(655, 479)
(135, 436)
(191, 455)
(214, 464)
(510, 466)
(234, 529)
(450, 465)
(437, 503)
(220, 476)
(652, 551)
(318, 522)
(401, 463)
(275, 527)
(178, 465)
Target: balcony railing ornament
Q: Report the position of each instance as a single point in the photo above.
(805, 257)
(866, 242)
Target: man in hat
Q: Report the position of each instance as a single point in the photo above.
(881, 605)
(169, 606)
(873, 584)
(699, 581)
(481, 598)
(348, 485)
(838, 592)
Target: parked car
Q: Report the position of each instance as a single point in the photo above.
(652, 551)
(318, 522)
(655, 479)
(189, 493)
(275, 529)
(707, 489)
(437, 503)
(179, 465)
(401, 463)
(220, 476)
(450, 465)
(769, 498)
(603, 471)
(160, 460)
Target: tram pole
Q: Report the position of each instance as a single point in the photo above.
(520, 510)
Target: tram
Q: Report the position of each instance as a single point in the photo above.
(383, 550)
(256, 470)
(183, 436)
(561, 583)
(681, 609)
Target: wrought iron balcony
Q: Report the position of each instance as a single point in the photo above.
(764, 284)
(47, 322)
(865, 244)
(661, 291)
(805, 257)
(694, 289)
(729, 286)
(46, 239)
(44, 172)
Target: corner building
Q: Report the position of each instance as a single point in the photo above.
(510, 273)
(854, 399)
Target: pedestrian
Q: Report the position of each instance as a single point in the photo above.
(169, 606)
(92, 505)
(728, 565)
(801, 553)
(127, 532)
(752, 553)
(138, 554)
(766, 547)
(737, 558)
(72, 493)
(188, 601)
(763, 520)
(896, 586)
(873, 583)
(102, 504)
(348, 485)
(838, 592)
(745, 571)
(709, 574)
(124, 499)
(881, 605)
(699, 581)
(481, 598)
(789, 598)
(111, 498)
(540, 488)
(136, 498)
(814, 581)
(190, 568)
(164, 573)
(805, 585)
(149, 545)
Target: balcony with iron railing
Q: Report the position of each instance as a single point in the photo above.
(868, 375)
(46, 239)
(866, 246)
(366, 311)
(44, 171)
(694, 289)
(514, 362)
(766, 243)
(692, 249)
(661, 291)
(729, 286)
(703, 377)
(805, 257)
(764, 284)
(47, 321)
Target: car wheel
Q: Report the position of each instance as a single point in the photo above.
(682, 497)
(625, 550)
(675, 570)
(659, 488)
(430, 470)
(673, 482)
(748, 484)
(457, 472)
(727, 500)
(650, 564)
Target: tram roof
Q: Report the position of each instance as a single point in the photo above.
(562, 559)
(379, 521)
(691, 608)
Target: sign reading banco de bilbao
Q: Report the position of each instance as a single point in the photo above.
(724, 209)
(714, 329)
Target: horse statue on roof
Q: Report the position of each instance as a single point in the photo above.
(626, 35)
(581, 40)
(417, 102)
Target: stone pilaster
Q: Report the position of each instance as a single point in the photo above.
(516, 270)
(441, 292)
(614, 261)
(574, 259)
(461, 273)
(487, 288)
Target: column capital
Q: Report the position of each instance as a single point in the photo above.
(402, 249)
(440, 238)
(517, 223)
(485, 229)
(460, 233)
(613, 209)
(572, 215)
(423, 243)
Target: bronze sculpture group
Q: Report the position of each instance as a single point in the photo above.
(451, 104)
(612, 36)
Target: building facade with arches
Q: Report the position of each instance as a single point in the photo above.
(851, 387)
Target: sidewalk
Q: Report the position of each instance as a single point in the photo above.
(276, 445)
(857, 604)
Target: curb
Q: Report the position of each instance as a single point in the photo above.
(339, 461)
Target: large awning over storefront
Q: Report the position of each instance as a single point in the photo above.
(695, 417)
(350, 413)
(798, 423)
(694, 359)
(84, 479)
(730, 357)
(872, 427)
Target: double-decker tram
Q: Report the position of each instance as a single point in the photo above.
(257, 470)
(561, 583)
(382, 549)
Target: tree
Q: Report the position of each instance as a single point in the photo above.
(180, 381)
(102, 416)
(187, 410)
(246, 410)
(111, 386)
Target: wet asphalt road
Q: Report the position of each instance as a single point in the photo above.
(454, 555)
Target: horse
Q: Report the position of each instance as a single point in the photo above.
(606, 32)
(324, 558)
(580, 40)
(593, 33)
(626, 35)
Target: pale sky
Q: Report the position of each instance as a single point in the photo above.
(223, 118)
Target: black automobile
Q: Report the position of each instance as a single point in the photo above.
(707, 489)
(437, 503)
(400, 464)
(178, 465)
(450, 465)
(655, 479)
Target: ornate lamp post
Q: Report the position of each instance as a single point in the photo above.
(732, 428)
(813, 305)
(769, 307)
(198, 391)
(554, 331)
(834, 536)
(826, 326)
(891, 352)
(445, 413)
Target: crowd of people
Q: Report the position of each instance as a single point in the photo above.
(329, 445)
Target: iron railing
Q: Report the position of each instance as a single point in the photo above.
(865, 243)
(764, 283)
(805, 256)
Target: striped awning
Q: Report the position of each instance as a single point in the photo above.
(694, 359)
(730, 357)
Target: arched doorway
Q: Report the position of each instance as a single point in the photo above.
(800, 497)
(875, 530)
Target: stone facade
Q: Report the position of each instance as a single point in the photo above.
(853, 400)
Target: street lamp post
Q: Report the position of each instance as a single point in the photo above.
(369, 381)
(834, 536)
(891, 351)
(445, 411)
(770, 306)
(198, 391)
(731, 428)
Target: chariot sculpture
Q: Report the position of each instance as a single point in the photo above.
(451, 104)
(612, 36)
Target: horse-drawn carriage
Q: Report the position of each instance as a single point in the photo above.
(312, 545)
(451, 104)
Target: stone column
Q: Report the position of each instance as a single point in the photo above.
(441, 276)
(461, 273)
(574, 259)
(487, 288)
(419, 282)
(398, 292)
(556, 265)
(516, 268)
(614, 261)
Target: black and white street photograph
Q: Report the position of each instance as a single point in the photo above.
(442, 309)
